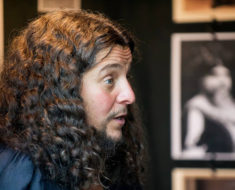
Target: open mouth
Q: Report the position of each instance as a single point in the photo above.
(121, 119)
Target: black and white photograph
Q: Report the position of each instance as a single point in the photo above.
(202, 96)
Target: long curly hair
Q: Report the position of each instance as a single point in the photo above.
(41, 110)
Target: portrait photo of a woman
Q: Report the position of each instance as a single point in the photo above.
(206, 123)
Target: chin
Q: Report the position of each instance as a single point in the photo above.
(109, 142)
(116, 136)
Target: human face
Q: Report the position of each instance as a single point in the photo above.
(219, 80)
(106, 91)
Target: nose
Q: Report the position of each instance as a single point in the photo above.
(126, 94)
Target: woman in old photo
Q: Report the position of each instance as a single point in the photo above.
(210, 114)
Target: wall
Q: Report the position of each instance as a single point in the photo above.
(151, 22)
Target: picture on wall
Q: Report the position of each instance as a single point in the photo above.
(203, 96)
(53, 5)
(188, 11)
(203, 179)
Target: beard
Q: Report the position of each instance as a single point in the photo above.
(109, 147)
(110, 153)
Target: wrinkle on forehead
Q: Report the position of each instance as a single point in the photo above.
(119, 53)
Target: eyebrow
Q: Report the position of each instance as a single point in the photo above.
(111, 66)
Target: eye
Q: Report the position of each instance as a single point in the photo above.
(109, 81)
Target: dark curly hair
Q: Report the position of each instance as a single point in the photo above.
(41, 110)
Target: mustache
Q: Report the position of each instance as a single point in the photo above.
(114, 114)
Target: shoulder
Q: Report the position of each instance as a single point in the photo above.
(197, 102)
(16, 169)
(17, 172)
(10, 157)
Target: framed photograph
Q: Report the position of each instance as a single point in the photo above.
(52, 5)
(1, 34)
(203, 179)
(189, 11)
(202, 96)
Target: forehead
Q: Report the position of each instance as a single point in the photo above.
(117, 54)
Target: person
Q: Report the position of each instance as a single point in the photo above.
(68, 117)
(210, 115)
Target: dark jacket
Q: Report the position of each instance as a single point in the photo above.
(17, 172)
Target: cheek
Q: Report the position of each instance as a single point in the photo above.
(104, 102)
